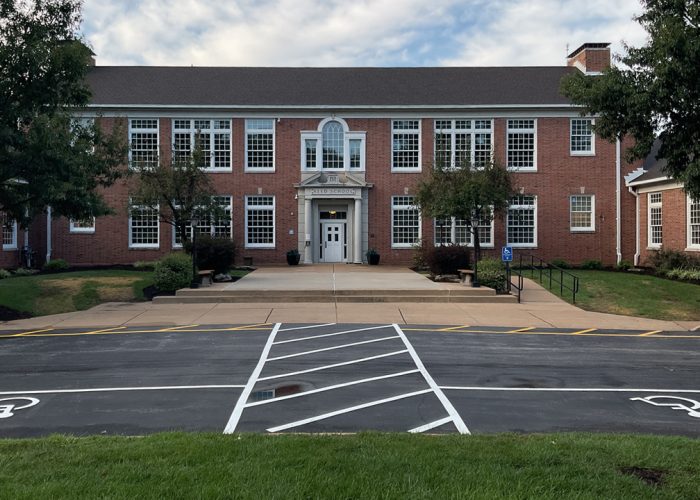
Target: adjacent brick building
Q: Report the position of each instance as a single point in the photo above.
(326, 160)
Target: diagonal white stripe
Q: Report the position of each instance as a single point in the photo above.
(332, 334)
(332, 348)
(304, 327)
(431, 425)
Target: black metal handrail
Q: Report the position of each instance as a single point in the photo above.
(551, 272)
(509, 281)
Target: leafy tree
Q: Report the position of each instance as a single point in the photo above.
(44, 158)
(179, 189)
(655, 91)
(465, 192)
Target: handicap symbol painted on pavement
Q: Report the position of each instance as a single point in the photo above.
(10, 405)
(674, 402)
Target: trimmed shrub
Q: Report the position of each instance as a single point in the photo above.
(172, 272)
(447, 259)
(4, 273)
(684, 274)
(56, 265)
(420, 252)
(666, 260)
(591, 264)
(492, 273)
(624, 265)
(560, 263)
(214, 253)
(145, 265)
(23, 271)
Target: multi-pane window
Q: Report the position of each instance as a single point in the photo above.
(522, 149)
(333, 147)
(582, 212)
(143, 227)
(260, 221)
(405, 149)
(216, 226)
(82, 226)
(581, 141)
(143, 140)
(355, 153)
(212, 137)
(460, 142)
(693, 223)
(310, 152)
(458, 232)
(9, 233)
(655, 220)
(405, 222)
(260, 144)
(522, 221)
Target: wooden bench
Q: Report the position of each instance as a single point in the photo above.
(206, 277)
(464, 274)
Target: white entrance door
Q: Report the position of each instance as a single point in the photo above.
(333, 241)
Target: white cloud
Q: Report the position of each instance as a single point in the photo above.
(358, 33)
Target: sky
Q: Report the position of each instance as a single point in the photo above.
(354, 33)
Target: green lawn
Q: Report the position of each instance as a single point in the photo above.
(73, 291)
(556, 466)
(633, 295)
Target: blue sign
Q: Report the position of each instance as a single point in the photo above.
(507, 254)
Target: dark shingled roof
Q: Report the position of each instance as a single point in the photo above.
(654, 167)
(240, 87)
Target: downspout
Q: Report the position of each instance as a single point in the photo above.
(636, 234)
(48, 234)
(618, 196)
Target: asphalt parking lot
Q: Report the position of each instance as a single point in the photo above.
(348, 378)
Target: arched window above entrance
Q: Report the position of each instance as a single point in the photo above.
(333, 146)
(333, 138)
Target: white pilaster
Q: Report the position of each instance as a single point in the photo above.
(357, 233)
(308, 230)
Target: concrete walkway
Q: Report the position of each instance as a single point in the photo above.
(539, 308)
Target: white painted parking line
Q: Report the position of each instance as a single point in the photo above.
(562, 389)
(431, 425)
(456, 418)
(334, 365)
(296, 354)
(332, 334)
(345, 410)
(330, 388)
(118, 389)
(243, 398)
(305, 327)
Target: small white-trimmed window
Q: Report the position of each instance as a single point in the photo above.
(405, 222)
(332, 147)
(405, 145)
(212, 136)
(216, 227)
(693, 224)
(582, 140)
(582, 212)
(260, 221)
(655, 218)
(9, 235)
(144, 227)
(522, 221)
(143, 141)
(82, 226)
(521, 152)
(460, 141)
(260, 145)
(457, 232)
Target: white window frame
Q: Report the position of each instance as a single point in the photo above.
(590, 152)
(532, 207)
(591, 227)
(394, 208)
(472, 131)
(138, 130)
(273, 207)
(78, 229)
(143, 245)
(212, 227)
(348, 135)
(418, 132)
(271, 131)
(651, 205)
(212, 132)
(13, 245)
(470, 242)
(531, 130)
(691, 245)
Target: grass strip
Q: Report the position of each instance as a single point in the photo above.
(368, 465)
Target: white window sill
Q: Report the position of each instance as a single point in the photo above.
(654, 247)
(144, 247)
(584, 231)
(402, 247)
(218, 170)
(8, 248)
(581, 153)
(406, 170)
(482, 245)
(521, 245)
(82, 231)
(264, 247)
(693, 249)
(259, 170)
(521, 170)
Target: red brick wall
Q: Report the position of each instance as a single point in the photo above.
(594, 60)
(674, 208)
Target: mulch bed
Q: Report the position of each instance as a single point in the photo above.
(9, 314)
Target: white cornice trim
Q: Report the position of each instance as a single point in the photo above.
(333, 106)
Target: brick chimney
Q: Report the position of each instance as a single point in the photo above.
(590, 58)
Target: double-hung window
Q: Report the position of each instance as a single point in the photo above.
(215, 225)
(260, 221)
(9, 234)
(260, 145)
(333, 147)
(522, 221)
(655, 217)
(405, 145)
(213, 137)
(144, 227)
(458, 232)
(461, 142)
(582, 212)
(693, 223)
(143, 140)
(582, 141)
(405, 222)
(521, 154)
(82, 226)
